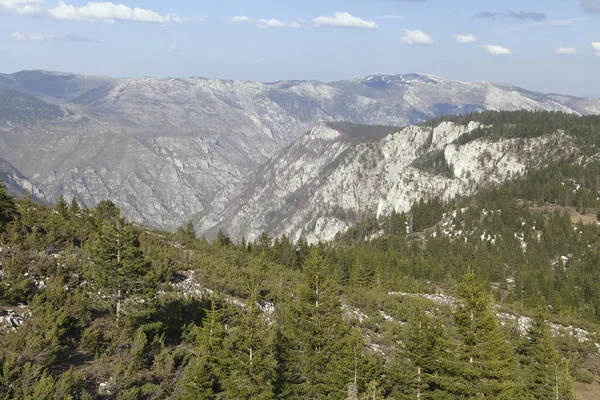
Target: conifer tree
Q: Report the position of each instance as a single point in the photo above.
(188, 231)
(249, 355)
(8, 208)
(222, 239)
(74, 208)
(546, 371)
(421, 368)
(320, 356)
(118, 264)
(62, 208)
(488, 365)
(200, 380)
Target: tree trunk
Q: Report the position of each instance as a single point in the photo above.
(118, 302)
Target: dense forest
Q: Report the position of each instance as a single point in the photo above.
(495, 295)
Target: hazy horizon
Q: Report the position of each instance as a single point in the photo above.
(548, 46)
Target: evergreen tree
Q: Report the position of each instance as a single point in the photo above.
(188, 231)
(74, 208)
(263, 244)
(249, 357)
(320, 356)
(488, 365)
(118, 265)
(200, 380)
(8, 208)
(546, 371)
(62, 208)
(421, 368)
(222, 239)
(105, 210)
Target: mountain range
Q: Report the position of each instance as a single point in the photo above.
(220, 152)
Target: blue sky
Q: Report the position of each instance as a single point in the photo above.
(550, 46)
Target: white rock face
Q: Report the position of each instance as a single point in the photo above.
(162, 149)
(327, 180)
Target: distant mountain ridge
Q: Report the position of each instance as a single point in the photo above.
(163, 149)
(54, 87)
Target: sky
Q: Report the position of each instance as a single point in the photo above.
(542, 45)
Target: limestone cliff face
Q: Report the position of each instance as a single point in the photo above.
(163, 149)
(328, 180)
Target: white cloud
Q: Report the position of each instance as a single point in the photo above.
(465, 38)
(565, 50)
(498, 50)
(596, 46)
(18, 35)
(264, 23)
(173, 48)
(109, 12)
(416, 37)
(273, 23)
(344, 20)
(240, 18)
(23, 7)
(26, 36)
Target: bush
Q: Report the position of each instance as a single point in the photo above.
(584, 376)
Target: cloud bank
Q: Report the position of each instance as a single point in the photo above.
(22, 7)
(109, 12)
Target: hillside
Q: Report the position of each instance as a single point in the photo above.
(18, 109)
(163, 149)
(328, 180)
(493, 294)
(16, 184)
(54, 87)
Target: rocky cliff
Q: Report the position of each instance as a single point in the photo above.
(333, 176)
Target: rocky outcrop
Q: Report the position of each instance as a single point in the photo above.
(326, 181)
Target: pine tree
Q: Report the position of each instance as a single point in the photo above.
(200, 380)
(263, 244)
(118, 265)
(188, 231)
(62, 208)
(320, 355)
(546, 371)
(488, 365)
(249, 355)
(222, 239)
(420, 368)
(362, 275)
(74, 208)
(8, 208)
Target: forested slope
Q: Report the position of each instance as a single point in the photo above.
(105, 309)
(495, 295)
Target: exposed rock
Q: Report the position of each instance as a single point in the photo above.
(332, 177)
(163, 148)
(11, 319)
